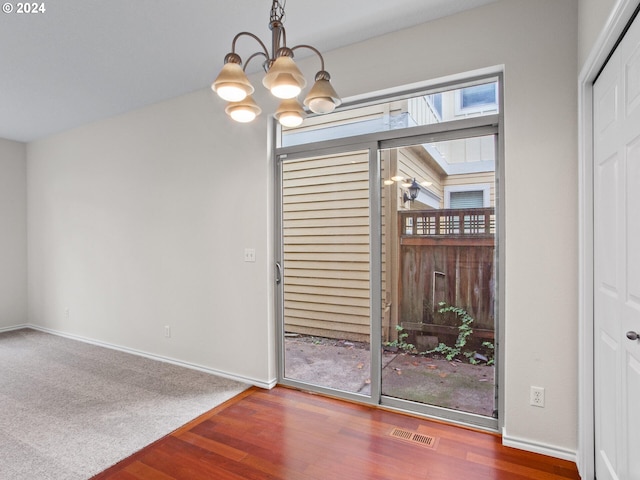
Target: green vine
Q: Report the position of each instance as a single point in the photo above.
(465, 331)
(401, 343)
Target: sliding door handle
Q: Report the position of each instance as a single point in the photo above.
(278, 273)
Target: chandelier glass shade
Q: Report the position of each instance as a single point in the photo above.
(290, 113)
(244, 111)
(322, 98)
(232, 84)
(283, 79)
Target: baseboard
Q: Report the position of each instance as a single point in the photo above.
(15, 327)
(535, 447)
(239, 378)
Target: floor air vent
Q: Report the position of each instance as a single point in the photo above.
(414, 437)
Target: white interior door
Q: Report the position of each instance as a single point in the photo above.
(617, 262)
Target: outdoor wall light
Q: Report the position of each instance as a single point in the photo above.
(414, 189)
(283, 78)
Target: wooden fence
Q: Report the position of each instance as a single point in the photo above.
(447, 256)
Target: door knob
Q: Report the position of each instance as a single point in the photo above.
(633, 335)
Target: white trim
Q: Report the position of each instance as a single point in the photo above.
(239, 378)
(543, 449)
(485, 188)
(617, 21)
(15, 327)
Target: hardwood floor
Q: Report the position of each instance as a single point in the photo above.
(287, 434)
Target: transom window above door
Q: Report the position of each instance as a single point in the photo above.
(428, 107)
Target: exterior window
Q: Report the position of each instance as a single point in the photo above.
(476, 195)
(468, 199)
(478, 98)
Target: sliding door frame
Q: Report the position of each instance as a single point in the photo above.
(468, 127)
(375, 307)
(458, 416)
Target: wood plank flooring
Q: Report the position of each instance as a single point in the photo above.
(287, 434)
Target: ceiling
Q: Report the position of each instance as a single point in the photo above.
(83, 60)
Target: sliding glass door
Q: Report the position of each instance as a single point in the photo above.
(387, 247)
(325, 270)
(439, 275)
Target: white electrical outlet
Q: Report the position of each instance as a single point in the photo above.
(167, 331)
(536, 396)
(249, 254)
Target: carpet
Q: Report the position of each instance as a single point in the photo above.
(69, 410)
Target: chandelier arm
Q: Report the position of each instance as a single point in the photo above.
(246, 64)
(313, 49)
(255, 37)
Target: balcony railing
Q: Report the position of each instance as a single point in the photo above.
(448, 222)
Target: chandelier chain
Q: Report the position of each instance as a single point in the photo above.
(277, 10)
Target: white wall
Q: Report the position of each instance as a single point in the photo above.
(13, 234)
(139, 221)
(136, 222)
(592, 17)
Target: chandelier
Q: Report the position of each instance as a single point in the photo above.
(282, 78)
